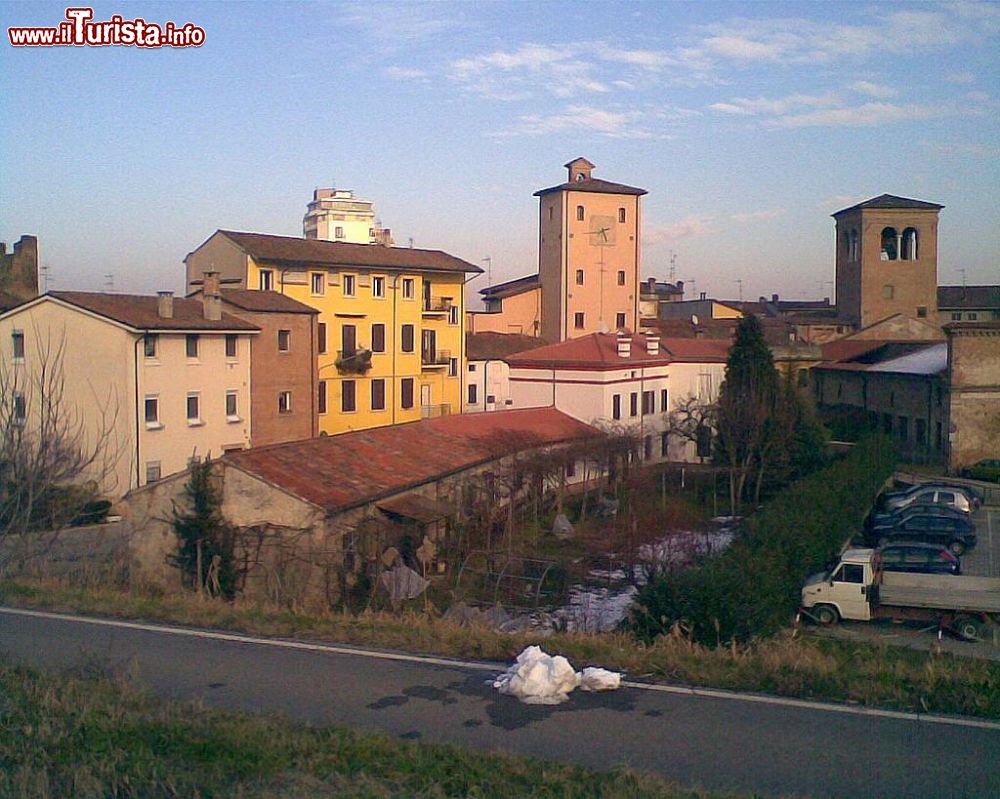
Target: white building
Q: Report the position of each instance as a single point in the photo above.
(632, 381)
(149, 380)
(337, 215)
(487, 379)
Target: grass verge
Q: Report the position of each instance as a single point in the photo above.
(787, 665)
(91, 735)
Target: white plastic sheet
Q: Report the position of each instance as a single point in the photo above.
(537, 678)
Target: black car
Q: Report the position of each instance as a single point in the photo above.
(953, 530)
(890, 517)
(908, 556)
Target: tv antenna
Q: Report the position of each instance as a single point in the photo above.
(488, 260)
(739, 282)
(44, 272)
(109, 281)
(962, 271)
(673, 266)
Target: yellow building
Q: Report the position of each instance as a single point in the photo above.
(391, 329)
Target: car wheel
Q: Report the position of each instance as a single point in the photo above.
(957, 548)
(826, 615)
(970, 629)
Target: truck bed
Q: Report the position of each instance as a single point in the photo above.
(939, 592)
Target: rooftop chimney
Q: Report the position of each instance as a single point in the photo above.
(702, 296)
(680, 287)
(652, 344)
(652, 285)
(211, 300)
(165, 304)
(624, 343)
(774, 298)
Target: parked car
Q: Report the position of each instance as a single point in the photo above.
(885, 517)
(939, 527)
(908, 556)
(988, 469)
(950, 496)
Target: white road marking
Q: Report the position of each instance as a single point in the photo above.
(924, 718)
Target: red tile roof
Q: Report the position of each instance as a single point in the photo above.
(340, 472)
(139, 311)
(264, 301)
(593, 185)
(891, 201)
(600, 351)
(492, 346)
(289, 249)
(970, 297)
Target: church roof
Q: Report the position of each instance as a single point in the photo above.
(891, 201)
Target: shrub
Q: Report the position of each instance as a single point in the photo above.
(752, 589)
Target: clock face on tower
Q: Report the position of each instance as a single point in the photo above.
(602, 231)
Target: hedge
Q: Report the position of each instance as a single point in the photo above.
(753, 588)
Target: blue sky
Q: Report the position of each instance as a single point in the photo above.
(749, 124)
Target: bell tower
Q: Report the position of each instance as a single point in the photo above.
(887, 259)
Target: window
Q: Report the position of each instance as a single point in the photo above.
(152, 471)
(266, 280)
(473, 394)
(579, 213)
(633, 404)
(378, 394)
(193, 415)
(956, 317)
(664, 445)
(647, 447)
(232, 406)
(378, 286)
(621, 214)
(664, 400)
(937, 435)
(571, 468)
(452, 314)
(621, 277)
(408, 288)
(151, 410)
(620, 321)
(453, 367)
(350, 283)
(703, 443)
(191, 345)
(550, 212)
(887, 423)
(904, 428)
(378, 337)
(803, 377)
(472, 367)
(616, 406)
(578, 320)
(406, 392)
(888, 292)
(318, 282)
(890, 244)
(148, 346)
(850, 573)
(648, 402)
(231, 345)
(338, 232)
(321, 397)
(579, 277)
(348, 341)
(909, 244)
(284, 340)
(284, 402)
(921, 311)
(972, 317)
(321, 338)
(406, 338)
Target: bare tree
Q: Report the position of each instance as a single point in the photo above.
(54, 458)
(692, 419)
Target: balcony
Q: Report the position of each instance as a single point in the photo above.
(436, 306)
(356, 362)
(430, 360)
(435, 411)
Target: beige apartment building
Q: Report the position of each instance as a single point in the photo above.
(149, 380)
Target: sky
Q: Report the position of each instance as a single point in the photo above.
(748, 123)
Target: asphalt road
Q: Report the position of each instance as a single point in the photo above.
(748, 743)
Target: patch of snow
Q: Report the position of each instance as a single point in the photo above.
(537, 678)
(595, 679)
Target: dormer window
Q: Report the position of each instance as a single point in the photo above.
(580, 177)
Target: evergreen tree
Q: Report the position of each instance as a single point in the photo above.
(746, 423)
(206, 541)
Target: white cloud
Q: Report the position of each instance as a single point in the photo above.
(865, 115)
(529, 69)
(745, 106)
(619, 125)
(960, 77)
(878, 90)
(978, 97)
(966, 149)
(758, 216)
(689, 227)
(839, 201)
(404, 73)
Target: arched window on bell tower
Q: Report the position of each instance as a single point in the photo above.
(909, 248)
(854, 251)
(890, 244)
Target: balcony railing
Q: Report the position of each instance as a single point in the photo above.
(435, 360)
(356, 362)
(437, 305)
(434, 411)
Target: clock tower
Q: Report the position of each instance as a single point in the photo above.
(588, 254)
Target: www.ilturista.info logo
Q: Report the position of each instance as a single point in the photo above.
(78, 31)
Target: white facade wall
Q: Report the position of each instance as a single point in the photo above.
(492, 380)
